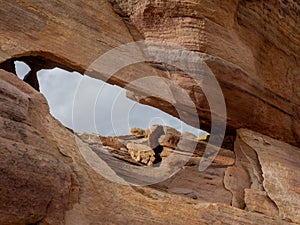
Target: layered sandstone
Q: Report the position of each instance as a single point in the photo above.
(45, 178)
(251, 47)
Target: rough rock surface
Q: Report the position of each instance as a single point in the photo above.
(272, 171)
(112, 142)
(280, 165)
(251, 47)
(258, 201)
(139, 132)
(237, 180)
(141, 153)
(155, 132)
(45, 179)
(36, 182)
(169, 140)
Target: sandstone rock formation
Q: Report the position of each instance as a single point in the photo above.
(139, 132)
(37, 183)
(252, 47)
(46, 180)
(141, 153)
(156, 131)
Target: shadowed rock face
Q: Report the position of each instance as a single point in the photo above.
(251, 47)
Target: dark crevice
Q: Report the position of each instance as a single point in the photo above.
(31, 78)
(38, 61)
(9, 66)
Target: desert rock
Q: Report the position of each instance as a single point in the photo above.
(141, 153)
(156, 131)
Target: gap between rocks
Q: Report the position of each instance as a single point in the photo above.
(37, 63)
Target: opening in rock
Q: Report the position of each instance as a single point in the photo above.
(21, 69)
(69, 95)
(110, 109)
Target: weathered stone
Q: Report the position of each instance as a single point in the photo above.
(49, 175)
(224, 156)
(113, 142)
(250, 46)
(171, 130)
(206, 186)
(141, 153)
(155, 132)
(237, 180)
(171, 137)
(143, 141)
(253, 53)
(166, 152)
(36, 183)
(258, 201)
(139, 132)
(246, 159)
(265, 85)
(14, 103)
(204, 137)
(279, 164)
(169, 140)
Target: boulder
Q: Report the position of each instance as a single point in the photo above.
(139, 132)
(155, 132)
(169, 140)
(141, 153)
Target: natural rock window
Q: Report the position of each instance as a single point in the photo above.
(115, 114)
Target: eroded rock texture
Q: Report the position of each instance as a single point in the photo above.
(36, 182)
(46, 180)
(280, 165)
(251, 47)
(265, 177)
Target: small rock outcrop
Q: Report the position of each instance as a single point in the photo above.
(141, 153)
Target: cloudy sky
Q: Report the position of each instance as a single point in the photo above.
(85, 104)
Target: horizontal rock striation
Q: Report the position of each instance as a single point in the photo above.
(251, 47)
